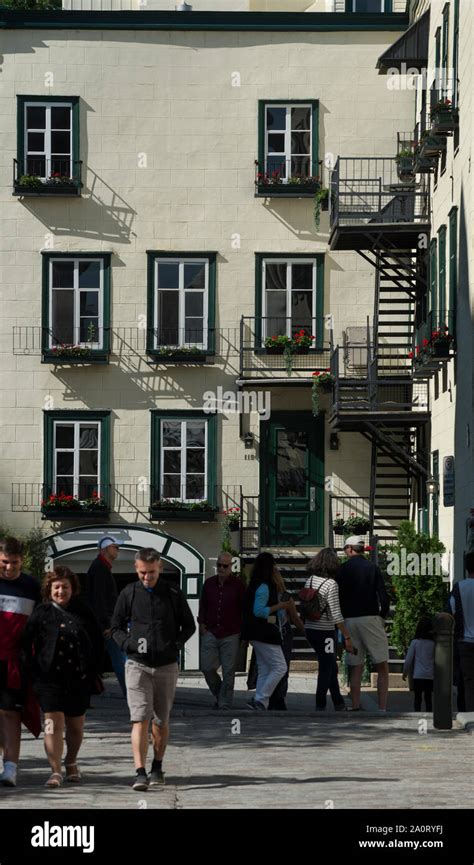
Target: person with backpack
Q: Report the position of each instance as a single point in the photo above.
(320, 610)
(419, 663)
(261, 628)
(151, 623)
(365, 605)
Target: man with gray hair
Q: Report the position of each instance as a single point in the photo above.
(151, 623)
(364, 604)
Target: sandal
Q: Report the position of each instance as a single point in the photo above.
(54, 780)
(72, 777)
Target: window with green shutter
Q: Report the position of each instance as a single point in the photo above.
(289, 296)
(47, 160)
(433, 283)
(441, 277)
(288, 148)
(453, 269)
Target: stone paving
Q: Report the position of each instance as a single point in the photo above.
(242, 759)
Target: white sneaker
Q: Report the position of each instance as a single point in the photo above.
(8, 776)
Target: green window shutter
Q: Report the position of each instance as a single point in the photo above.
(442, 274)
(438, 50)
(435, 468)
(453, 269)
(445, 43)
(433, 284)
(455, 52)
(157, 415)
(103, 417)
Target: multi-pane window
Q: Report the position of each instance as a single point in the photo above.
(181, 302)
(288, 141)
(288, 297)
(76, 301)
(369, 5)
(48, 139)
(183, 459)
(76, 458)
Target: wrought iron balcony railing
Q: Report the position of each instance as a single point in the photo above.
(60, 348)
(367, 191)
(296, 177)
(275, 347)
(37, 175)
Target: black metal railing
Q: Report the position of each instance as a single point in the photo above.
(119, 498)
(367, 191)
(361, 388)
(36, 340)
(434, 341)
(269, 346)
(293, 176)
(249, 524)
(37, 175)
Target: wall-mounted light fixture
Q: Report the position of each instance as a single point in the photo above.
(432, 486)
(248, 439)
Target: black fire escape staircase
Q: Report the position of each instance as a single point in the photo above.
(383, 220)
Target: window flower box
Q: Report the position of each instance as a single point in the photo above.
(56, 184)
(179, 354)
(444, 118)
(169, 509)
(432, 145)
(64, 507)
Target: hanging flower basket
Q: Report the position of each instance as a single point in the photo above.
(339, 525)
(322, 381)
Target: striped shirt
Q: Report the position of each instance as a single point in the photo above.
(329, 597)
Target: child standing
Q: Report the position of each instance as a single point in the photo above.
(419, 663)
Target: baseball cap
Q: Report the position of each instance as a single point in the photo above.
(107, 541)
(353, 541)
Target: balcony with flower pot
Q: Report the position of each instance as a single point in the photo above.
(178, 510)
(348, 515)
(444, 115)
(434, 344)
(93, 349)
(282, 350)
(37, 176)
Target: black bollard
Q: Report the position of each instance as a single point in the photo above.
(443, 625)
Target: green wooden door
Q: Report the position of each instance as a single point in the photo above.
(293, 480)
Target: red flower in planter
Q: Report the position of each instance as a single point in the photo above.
(410, 355)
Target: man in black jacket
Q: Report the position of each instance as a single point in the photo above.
(101, 594)
(151, 623)
(364, 605)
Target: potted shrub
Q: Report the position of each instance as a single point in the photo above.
(405, 163)
(357, 525)
(322, 381)
(338, 525)
(444, 118)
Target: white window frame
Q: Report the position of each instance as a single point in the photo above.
(47, 135)
(182, 343)
(76, 450)
(286, 156)
(182, 448)
(289, 270)
(97, 344)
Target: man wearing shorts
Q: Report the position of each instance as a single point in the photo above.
(151, 623)
(365, 605)
(19, 594)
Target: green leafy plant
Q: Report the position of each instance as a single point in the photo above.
(278, 341)
(65, 350)
(355, 525)
(179, 351)
(322, 381)
(58, 179)
(417, 595)
(320, 198)
(338, 525)
(33, 5)
(30, 181)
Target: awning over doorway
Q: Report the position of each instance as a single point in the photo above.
(410, 51)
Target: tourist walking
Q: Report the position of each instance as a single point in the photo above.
(62, 645)
(101, 592)
(321, 627)
(151, 623)
(220, 623)
(261, 628)
(461, 601)
(364, 604)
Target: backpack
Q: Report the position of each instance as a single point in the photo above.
(310, 603)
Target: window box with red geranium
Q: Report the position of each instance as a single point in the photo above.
(441, 342)
(339, 525)
(64, 507)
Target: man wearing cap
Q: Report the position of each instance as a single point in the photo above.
(102, 596)
(364, 604)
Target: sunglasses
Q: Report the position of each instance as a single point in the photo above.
(220, 565)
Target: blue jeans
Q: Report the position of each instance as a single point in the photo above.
(327, 667)
(118, 659)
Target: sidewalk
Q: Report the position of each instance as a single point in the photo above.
(243, 759)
